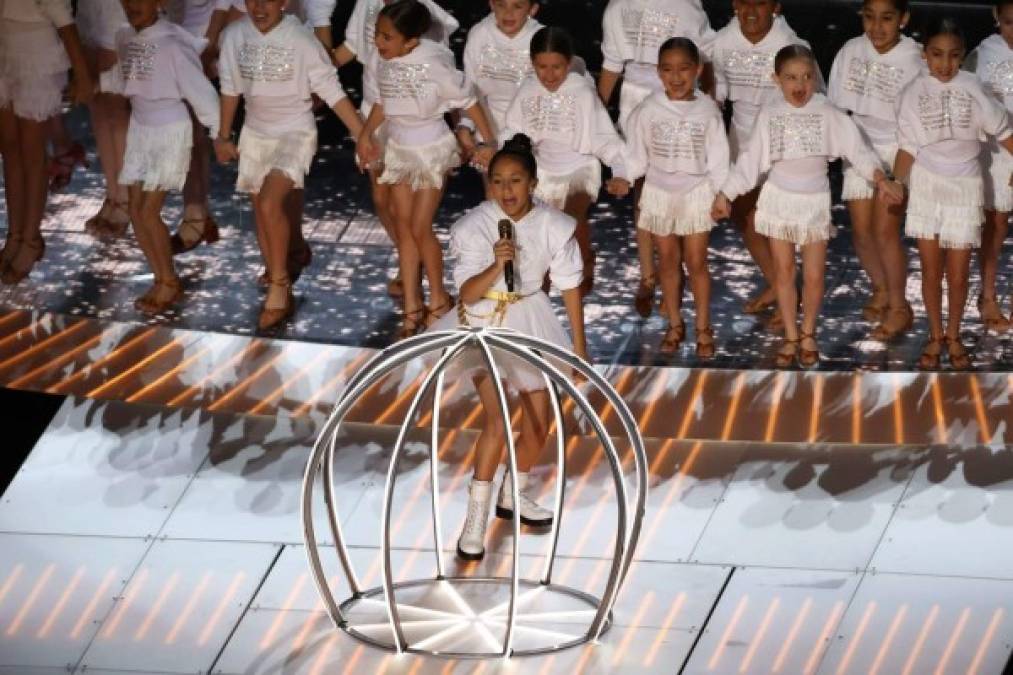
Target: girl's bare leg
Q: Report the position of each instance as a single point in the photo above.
(814, 264)
(273, 222)
(863, 235)
(645, 240)
(14, 183)
(958, 266)
(670, 275)
(577, 206)
(783, 257)
(993, 235)
(32, 150)
(408, 254)
(492, 438)
(695, 257)
(759, 247)
(534, 428)
(932, 284)
(887, 231)
(198, 179)
(424, 206)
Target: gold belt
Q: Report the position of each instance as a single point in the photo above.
(503, 301)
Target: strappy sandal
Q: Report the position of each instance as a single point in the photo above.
(674, 335)
(643, 301)
(784, 359)
(12, 274)
(877, 307)
(808, 358)
(205, 228)
(271, 317)
(395, 288)
(151, 305)
(434, 314)
(929, 360)
(883, 333)
(992, 316)
(94, 225)
(10, 250)
(957, 354)
(414, 322)
(705, 350)
(61, 166)
(757, 305)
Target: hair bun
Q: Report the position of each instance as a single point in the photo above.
(519, 143)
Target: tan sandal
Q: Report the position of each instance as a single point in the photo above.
(12, 274)
(929, 359)
(270, 317)
(757, 305)
(414, 323)
(808, 358)
(705, 350)
(674, 335)
(877, 307)
(434, 314)
(643, 301)
(884, 333)
(205, 228)
(785, 359)
(959, 358)
(150, 304)
(992, 316)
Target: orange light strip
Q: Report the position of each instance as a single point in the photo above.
(92, 604)
(621, 386)
(331, 383)
(58, 387)
(58, 362)
(870, 609)
(891, 633)
(986, 640)
(398, 401)
(183, 365)
(245, 383)
(319, 663)
(260, 407)
(42, 344)
(631, 630)
(937, 404)
(796, 625)
(184, 616)
(923, 634)
(354, 661)
(10, 581)
(898, 411)
(236, 358)
(856, 408)
(33, 595)
(167, 589)
(775, 406)
(673, 491)
(585, 534)
(719, 649)
(814, 655)
(652, 653)
(12, 315)
(979, 409)
(125, 602)
(449, 668)
(687, 418)
(226, 599)
(147, 360)
(599, 571)
(952, 643)
(17, 334)
(427, 416)
(47, 625)
(290, 599)
(308, 625)
(760, 634)
(654, 398)
(814, 412)
(733, 408)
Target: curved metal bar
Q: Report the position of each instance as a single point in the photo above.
(504, 410)
(400, 643)
(434, 474)
(557, 410)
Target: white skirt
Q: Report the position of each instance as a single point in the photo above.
(33, 66)
(379, 136)
(799, 217)
(291, 153)
(855, 187)
(998, 167)
(664, 213)
(157, 157)
(630, 96)
(532, 316)
(555, 188)
(948, 207)
(423, 167)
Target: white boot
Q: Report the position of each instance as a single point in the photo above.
(471, 544)
(531, 513)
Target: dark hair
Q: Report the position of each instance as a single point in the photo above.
(902, 6)
(552, 40)
(791, 52)
(517, 148)
(410, 18)
(684, 45)
(942, 26)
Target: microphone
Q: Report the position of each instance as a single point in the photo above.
(506, 231)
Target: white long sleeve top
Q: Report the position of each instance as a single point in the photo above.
(544, 243)
(57, 13)
(943, 124)
(867, 83)
(161, 68)
(677, 144)
(313, 13)
(743, 70)
(277, 73)
(993, 63)
(496, 63)
(99, 20)
(795, 145)
(565, 126)
(633, 30)
(361, 27)
(417, 89)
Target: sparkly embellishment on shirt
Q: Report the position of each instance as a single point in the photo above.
(504, 65)
(551, 113)
(945, 110)
(747, 68)
(875, 79)
(682, 139)
(267, 63)
(369, 27)
(999, 77)
(796, 135)
(403, 80)
(646, 29)
(139, 62)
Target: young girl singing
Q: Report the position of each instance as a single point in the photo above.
(275, 63)
(942, 116)
(792, 141)
(542, 242)
(417, 83)
(867, 76)
(571, 130)
(677, 138)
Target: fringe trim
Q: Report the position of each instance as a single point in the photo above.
(929, 189)
(38, 99)
(793, 216)
(948, 207)
(423, 167)
(291, 154)
(855, 187)
(664, 213)
(998, 192)
(31, 54)
(554, 188)
(157, 157)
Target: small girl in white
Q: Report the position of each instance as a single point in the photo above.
(993, 63)
(571, 130)
(942, 115)
(793, 140)
(542, 243)
(677, 138)
(275, 63)
(867, 76)
(417, 83)
(161, 69)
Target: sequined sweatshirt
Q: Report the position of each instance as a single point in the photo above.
(795, 144)
(496, 63)
(943, 124)
(160, 68)
(276, 73)
(993, 63)
(677, 144)
(867, 83)
(566, 126)
(634, 29)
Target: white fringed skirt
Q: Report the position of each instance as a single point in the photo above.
(291, 153)
(33, 66)
(157, 157)
(665, 213)
(799, 217)
(553, 188)
(998, 167)
(423, 166)
(855, 187)
(948, 207)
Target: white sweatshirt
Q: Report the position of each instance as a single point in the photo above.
(57, 13)
(795, 144)
(677, 144)
(566, 126)
(993, 61)
(633, 30)
(161, 68)
(943, 124)
(277, 73)
(496, 63)
(867, 83)
(743, 71)
(361, 27)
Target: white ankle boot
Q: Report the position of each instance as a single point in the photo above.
(531, 513)
(471, 544)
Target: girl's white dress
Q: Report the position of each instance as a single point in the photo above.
(545, 243)
(33, 62)
(571, 131)
(993, 63)
(682, 149)
(943, 126)
(867, 84)
(160, 69)
(793, 146)
(276, 74)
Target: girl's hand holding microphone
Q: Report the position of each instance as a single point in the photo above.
(504, 252)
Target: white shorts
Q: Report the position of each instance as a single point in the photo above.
(948, 207)
(799, 217)
(291, 153)
(664, 213)
(856, 187)
(423, 167)
(998, 166)
(157, 157)
(554, 188)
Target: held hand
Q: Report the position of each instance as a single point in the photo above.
(721, 208)
(225, 151)
(617, 187)
(366, 150)
(466, 140)
(105, 59)
(82, 88)
(891, 192)
(481, 157)
(209, 61)
(504, 252)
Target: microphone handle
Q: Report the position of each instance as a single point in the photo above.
(508, 275)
